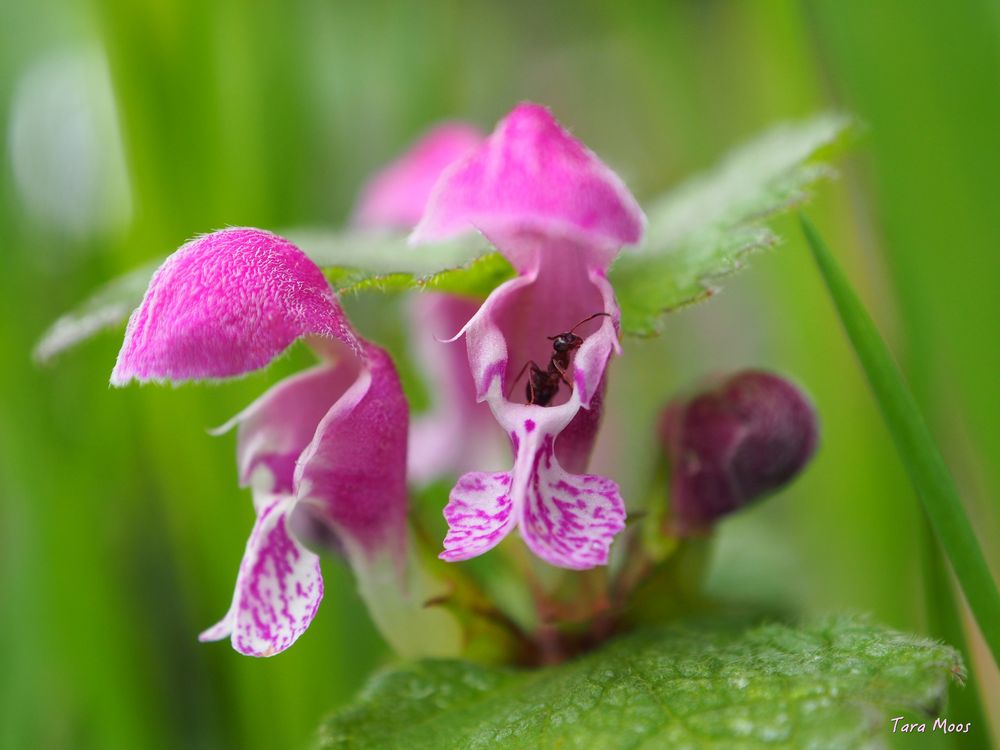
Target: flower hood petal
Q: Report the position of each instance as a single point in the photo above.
(532, 177)
(352, 475)
(225, 304)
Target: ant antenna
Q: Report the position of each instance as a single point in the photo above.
(585, 320)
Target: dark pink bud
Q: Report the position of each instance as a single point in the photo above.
(740, 441)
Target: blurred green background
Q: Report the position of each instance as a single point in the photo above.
(131, 126)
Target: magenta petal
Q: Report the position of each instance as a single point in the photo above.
(576, 441)
(225, 304)
(352, 475)
(396, 196)
(278, 589)
(532, 177)
(277, 427)
(479, 515)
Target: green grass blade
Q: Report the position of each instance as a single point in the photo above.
(944, 621)
(916, 447)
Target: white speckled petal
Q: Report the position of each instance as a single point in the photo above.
(569, 520)
(278, 589)
(479, 515)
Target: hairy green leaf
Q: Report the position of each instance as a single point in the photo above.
(701, 231)
(701, 683)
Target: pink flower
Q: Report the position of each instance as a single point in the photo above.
(323, 451)
(560, 216)
(457, 433)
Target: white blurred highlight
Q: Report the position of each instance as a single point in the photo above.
(65, 147)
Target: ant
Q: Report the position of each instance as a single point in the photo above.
(543, 385)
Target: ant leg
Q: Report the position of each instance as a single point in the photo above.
(562, 374)
(510, 389)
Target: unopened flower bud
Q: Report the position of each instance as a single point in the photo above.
(745, 438)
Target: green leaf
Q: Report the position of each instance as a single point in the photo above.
(700, 683)
(701, 231)
(916, 447)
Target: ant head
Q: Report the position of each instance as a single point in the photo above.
(566, 342)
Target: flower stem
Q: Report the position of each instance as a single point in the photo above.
(916, 447)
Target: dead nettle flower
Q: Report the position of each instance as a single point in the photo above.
(324, 451)
(560, 216)
(457, 433)
(743, 439)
